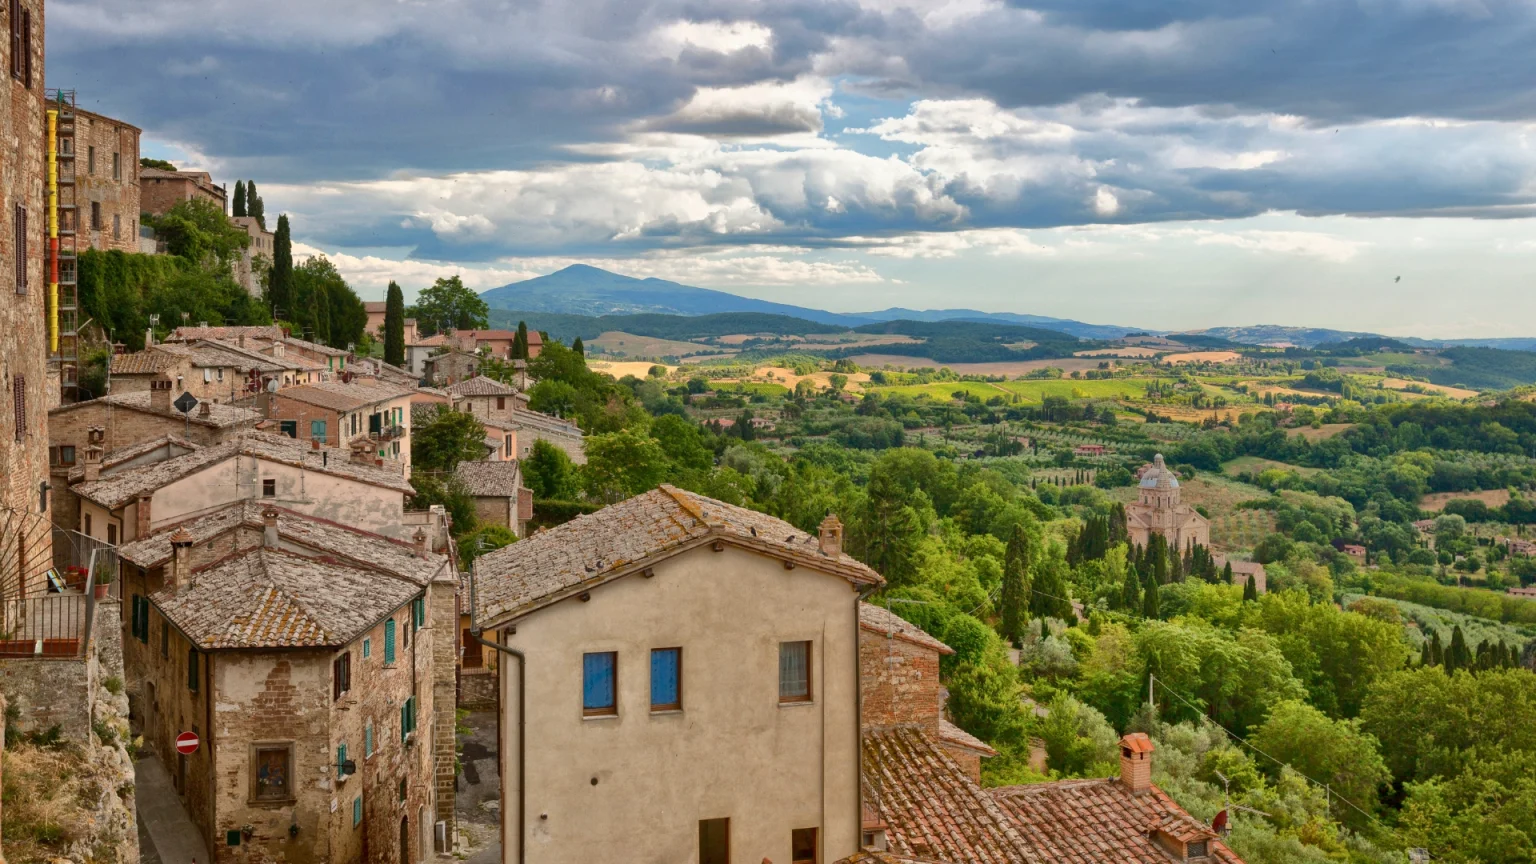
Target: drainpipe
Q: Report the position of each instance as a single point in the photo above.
(522, 722)
(858, 723)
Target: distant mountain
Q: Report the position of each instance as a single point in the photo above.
(591, 291)
(1271, 334)
(1060, 325)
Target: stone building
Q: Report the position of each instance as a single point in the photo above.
(679, 679)
(107, 181)
(121, 506)
(302, 653)
(503, 409)
(247, 269)
(497, 489)
(160, 190)
(339, 413)
(451, 367)
(207, 369)
(1158, 510)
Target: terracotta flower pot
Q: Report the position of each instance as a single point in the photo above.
(101, 591)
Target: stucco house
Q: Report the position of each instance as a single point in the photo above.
(339, 413)
(678, 682)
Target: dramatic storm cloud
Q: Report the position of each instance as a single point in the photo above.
(1182, 160)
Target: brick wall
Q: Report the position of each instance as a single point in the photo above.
(899, 682)
(443, 612)
(107, 176)
(159, 194)
(126, 427)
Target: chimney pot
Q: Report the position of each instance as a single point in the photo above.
(831, 536)
(142, 520)
(92, 461)
(204, 408)
(181, 559)
(160, 395)
(1136, 762)
(419, 539)
(269, 527)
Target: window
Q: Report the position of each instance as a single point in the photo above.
(67, 455)
(341, 675)
(26, 48)
(402, 793)
(140, 621)
(420, 604)
(794, 671)
(117, 226)
(407, 718)
(111, 534)
(389, 642)
(18, 42)
(802, 846)
(357, 811)
(269, 488)
(317, 429)
(96, 215)
(714, 841)
(271, 775)
(598, 673)
(667, 679)
(19, 402)
(1197, 849)
(474, 656)
(117, 166)
(367, 648)
(501, 403)
(341, 760)
(219, 373)
(90, 159)
(288, 427)
(368, 739)
(19, 224)
(165, 639)
(192, 669)
(88, 526)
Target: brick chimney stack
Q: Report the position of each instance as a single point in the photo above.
(180, 575)
(269, 527)
(160, 395)
(362, 451)
(1136, 762)
(420, 541)
(142, 516)
(92, 463)
(205, 408)
(831, 536)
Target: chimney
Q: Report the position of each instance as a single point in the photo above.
(1136, 762)
(180, 575)
(419, 539)
(92, 462)
(831, 536)
(362, 451)
(269, 527)
(240, 341)
(142, 511)
(160, 395)
(204, 408)
(149, 337)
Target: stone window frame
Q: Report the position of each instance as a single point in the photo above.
(254, 748)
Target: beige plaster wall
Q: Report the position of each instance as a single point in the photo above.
(733, 751)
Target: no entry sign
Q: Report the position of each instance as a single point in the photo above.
(186, 743)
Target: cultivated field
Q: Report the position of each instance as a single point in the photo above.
(1451, 392)
(1010, 368)
(1435, 502)
(639, 369)
(1322, 433)
(1203, 357)
(1257, 464)
(1028, 390)
(787, 378)
(630, 345)
(1132, 351)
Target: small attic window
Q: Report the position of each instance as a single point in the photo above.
(1197, 849)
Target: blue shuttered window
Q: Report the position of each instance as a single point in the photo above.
(666, 679)
(341, 760)
(598, 674)
(357, 811)
(368, 739)
(389, 641)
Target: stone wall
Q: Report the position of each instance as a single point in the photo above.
(443, 609)
(899, 682)
(107, 176)
(477, 688)
(126, 427)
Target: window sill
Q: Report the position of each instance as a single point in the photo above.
(798, 703)
(661, 712)
(272, 802)
(613, 716)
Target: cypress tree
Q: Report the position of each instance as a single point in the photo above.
(254, 206)
(1150, 606)
(1175, 567)
(1436, 652)
(1048, 592)
(1458, 656)
(394, 326)
(1157, 553)
(1014, 597)
(280, 284)
(1226, 579)
(520, 345)
(239, 205)
(1251, 590)
(578, 347)
(1130, 593)
(1424, 659)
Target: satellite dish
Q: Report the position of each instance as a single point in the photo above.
(271, 385)
(346, 377)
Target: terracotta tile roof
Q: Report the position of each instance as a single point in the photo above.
(268, 598)
(431, 341)
(375, 305)
(1093, 821)
(117, 490)
(521, 418)
(126, 454)
(481, 386)
(932, 808)
(593, 548)
(149, 362)
(877, 620)
(187, 334)
(869, 856)
(344, 396)
(336, 542)
(491, 479)
(953, 735)
(316, 347)
(220, 415)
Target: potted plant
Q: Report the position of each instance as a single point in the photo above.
(103, 582)
(74, 577)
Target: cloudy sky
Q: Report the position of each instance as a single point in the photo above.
(1169, 164)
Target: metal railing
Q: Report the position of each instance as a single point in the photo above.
(56, 623)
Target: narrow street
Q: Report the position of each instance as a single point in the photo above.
(479, 790)
(166, 832)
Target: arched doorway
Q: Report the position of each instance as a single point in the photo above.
(405, 840)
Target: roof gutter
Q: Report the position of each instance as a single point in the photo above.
(522, 723)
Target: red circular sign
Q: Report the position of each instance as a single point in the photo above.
(186, 743)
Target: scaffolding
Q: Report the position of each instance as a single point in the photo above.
(63, 247)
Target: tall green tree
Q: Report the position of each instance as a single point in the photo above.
(622, 464)
(1048, 594)
(198, 231)
(549, 473)
(445, 440)
(1015, 589)
(254, 206)
(280, 285)
(520, 342)
(330, 311)
(1130, 592)
(239, 205)
(1250, 588)
(1151, 604)
(578, 347)
(448, 305)
(394, 325)
(1458, 657)
(1335, 752)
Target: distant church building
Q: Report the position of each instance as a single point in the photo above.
(1158, 511)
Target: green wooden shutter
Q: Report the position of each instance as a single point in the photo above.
(389, 641)
(341, 760)
(357, 811)
(368, 740)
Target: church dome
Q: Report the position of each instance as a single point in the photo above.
(1158, 476)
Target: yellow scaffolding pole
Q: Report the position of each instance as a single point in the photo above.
(53, 230)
